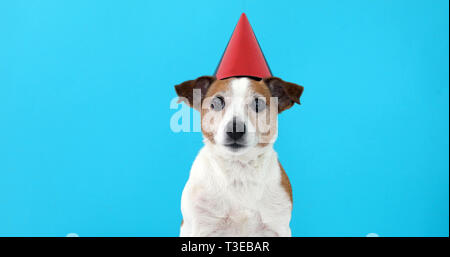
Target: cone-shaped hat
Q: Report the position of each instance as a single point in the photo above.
(243, 56)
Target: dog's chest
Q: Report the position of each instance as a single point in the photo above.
(240, 198)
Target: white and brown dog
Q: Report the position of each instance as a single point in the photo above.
(237, 186)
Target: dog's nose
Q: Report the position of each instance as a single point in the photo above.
(235, 129)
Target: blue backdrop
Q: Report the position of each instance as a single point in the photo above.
(85, 87)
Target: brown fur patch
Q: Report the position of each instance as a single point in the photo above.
(208, 134)
(216, 87)
(285, 182)
(261, 88)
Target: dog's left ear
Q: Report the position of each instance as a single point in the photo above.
(286, 92)
(187, 90)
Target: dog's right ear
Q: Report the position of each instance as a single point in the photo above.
(192, 92)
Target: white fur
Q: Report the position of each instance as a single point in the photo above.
(235, 194)
(237, 99)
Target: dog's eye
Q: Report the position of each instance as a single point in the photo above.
(217, 104)
(258, 105)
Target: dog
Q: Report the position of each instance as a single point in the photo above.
(237, 186)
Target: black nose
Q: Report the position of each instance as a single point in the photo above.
(235, 129)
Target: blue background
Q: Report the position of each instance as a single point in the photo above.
(85, 88)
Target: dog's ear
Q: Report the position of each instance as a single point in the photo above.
(194, 90)
(286, 92)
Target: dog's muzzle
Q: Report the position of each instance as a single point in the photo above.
(235, 131)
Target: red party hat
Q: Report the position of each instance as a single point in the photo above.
(243, 56)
